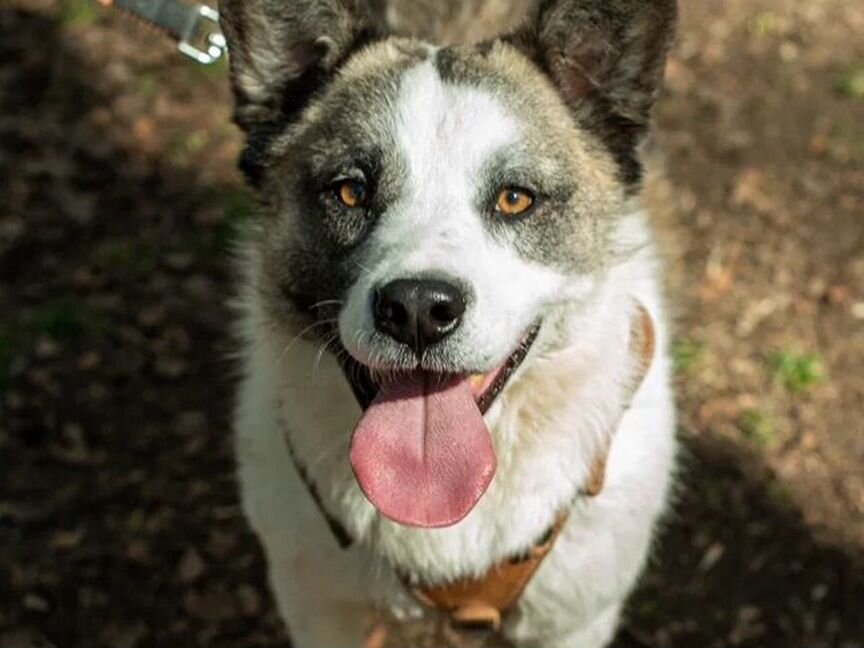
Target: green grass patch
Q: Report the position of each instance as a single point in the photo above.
(687, 354)
(79, 12)
(146, 85)
(765, 24)
(183, 149)
(758, 427)
(64, 320)
(239, 204)
(850, 83)
(61, 321)
(797, 372)
(780, 494)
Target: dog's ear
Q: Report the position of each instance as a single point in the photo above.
(606, 58)
(281, 51)
(610, 48)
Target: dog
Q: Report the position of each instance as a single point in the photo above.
(452, 330)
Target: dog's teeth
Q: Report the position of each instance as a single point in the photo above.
(476, 381)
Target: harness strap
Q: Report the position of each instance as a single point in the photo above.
(343, 538)
(479, 604)
(643, 342)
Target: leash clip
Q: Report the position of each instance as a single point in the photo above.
(204, 25)
(193, 26)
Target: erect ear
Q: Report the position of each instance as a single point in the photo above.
(282, 50)
(605, 56)
(610, 48)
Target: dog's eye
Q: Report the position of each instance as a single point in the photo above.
(352, 193)
(513, 201)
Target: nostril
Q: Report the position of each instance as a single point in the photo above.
(395, 313)
(443, 313)
(390, 310)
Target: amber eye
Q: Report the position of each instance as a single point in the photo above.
(513, 201)
(352, 193)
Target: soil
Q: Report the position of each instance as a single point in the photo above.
(119, 522)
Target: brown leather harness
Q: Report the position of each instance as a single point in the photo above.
(479, 604)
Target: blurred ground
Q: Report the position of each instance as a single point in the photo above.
(119, 524)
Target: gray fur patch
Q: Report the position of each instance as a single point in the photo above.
(310, 242)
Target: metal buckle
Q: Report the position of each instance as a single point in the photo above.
(475, 619)
(200, 28)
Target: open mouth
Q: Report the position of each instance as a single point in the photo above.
(485, 386)
(422, 453)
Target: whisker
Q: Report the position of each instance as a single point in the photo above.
(291, 344)
(316, 367)
(327, 302)
(361, 266)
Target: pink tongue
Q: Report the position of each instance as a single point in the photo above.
(422, 453)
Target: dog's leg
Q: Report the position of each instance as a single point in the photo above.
(322, 591)
(323, 606)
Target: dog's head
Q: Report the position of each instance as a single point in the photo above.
(435, 206)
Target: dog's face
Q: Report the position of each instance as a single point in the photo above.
(443, 180)
(485, 179)
(430, 209)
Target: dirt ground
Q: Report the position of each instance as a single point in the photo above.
(119, 524)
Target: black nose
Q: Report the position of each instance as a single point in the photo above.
(418, 312)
